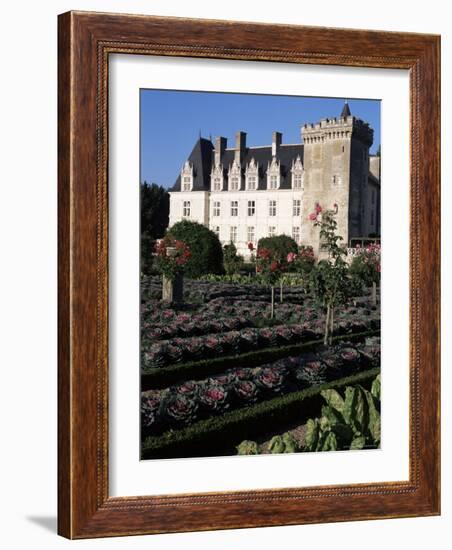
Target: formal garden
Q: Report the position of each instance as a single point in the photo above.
(279, 353)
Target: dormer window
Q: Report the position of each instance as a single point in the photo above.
(297, 173)
(234, 177)
(187, 176)
(217, 178)
(251, 175)
(273, 174)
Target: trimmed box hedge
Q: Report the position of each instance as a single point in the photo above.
(167, 376)
(218, 435)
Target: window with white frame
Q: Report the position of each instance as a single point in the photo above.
(297, 173)
(217, 183)
(186, 209)
(251, 174)
(234, 208)
(216, 208)
(298, 181)
(272, 208)
(296, 210)
(296, 234)
(271, 231)
(233, 234)
(187, 176)
(234, 176)
(216, 230)
(273, 174)
(251, 183)
(250, 234)
(186, 183)
(251, 208)
(234, 183)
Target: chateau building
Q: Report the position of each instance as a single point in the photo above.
(245, 193)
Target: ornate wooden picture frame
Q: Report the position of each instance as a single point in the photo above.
(86, 40)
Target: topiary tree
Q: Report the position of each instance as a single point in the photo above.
(270, 271)
(280, 246)
(205, 248)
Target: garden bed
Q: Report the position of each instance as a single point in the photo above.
(217, 435)
(163, 377)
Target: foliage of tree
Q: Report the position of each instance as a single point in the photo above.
(270, 269)
(154, 209)
(205, 248)
(154, 220)
(303, 261)
(232, 261)
(329, 281)
(279, 245)
(365, 268)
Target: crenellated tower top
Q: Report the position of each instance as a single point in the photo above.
(345, 126)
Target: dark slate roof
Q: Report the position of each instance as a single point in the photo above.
(202, 158)
(263, 156)
(346, 110)
(373, 179)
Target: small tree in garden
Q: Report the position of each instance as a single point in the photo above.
(366, 266)
(329, 280)
(270, 270)
(252, 253)
(231, 260)
(171, 258)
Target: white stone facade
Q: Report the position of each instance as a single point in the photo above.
(253, 214)
(244, 194)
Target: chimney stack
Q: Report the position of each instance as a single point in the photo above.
(276, 142)
(240, 146)
(220, 146)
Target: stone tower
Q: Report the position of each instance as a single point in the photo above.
(336, 164)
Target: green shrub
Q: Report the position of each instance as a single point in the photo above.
(205, 248)
(280, 246)
(233, 262)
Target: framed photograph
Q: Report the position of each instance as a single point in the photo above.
(248, 275)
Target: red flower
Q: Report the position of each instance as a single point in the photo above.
(274, 266)
(264, 253)
(312, 217)
(318, 208)
(250, 246)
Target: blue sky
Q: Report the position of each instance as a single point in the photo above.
(171, 122)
